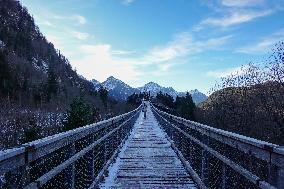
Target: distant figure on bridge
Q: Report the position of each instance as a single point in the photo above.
(144, 109)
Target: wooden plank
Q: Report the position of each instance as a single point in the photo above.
(147, 160)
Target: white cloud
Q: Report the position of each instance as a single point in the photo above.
(227, 72)
(75, 18)
(121, 52)
(227, 13)
(80, 35)
(241, 3)
(47, 23)
(127, 2)
(101, 61)
(264, 45)
(176, 48)
(233, 18)
(182, 45)
(80, 19)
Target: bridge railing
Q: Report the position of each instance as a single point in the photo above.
(221, 159)
(72, 159)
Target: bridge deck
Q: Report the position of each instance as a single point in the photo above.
(147, 160)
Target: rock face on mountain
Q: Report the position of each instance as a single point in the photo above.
(155, 88)
(120, 90)
(95, 82)
(116, 88)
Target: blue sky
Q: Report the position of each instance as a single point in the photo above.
(185, 44)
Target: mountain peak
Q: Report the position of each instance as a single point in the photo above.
(120, 90)
(150, 85)
(95, 82)
(111, 78)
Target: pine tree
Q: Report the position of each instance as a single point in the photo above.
(103, 95)
(80, 114)
(52, 85)
(6, 80)
(33, 132)
(185, 107)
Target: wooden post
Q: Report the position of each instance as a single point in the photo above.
(92, 160)
(26, 175)
(105, 146)
(73, 168)
(224, 176)
(190, 152)
(26, 170)
(204, 163)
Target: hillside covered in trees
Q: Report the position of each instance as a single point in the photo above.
(37, 83)
(250, 102)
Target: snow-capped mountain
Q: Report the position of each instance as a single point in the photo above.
(95, 82)
(196, 95)
(116, 88)
(155, 88)
(120, 90)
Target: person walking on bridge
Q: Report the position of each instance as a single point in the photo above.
(144, 109)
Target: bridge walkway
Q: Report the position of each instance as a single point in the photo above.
(147, 160)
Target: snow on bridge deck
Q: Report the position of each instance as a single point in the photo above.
(147, 160)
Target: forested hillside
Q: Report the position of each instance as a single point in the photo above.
(36, 81)
(250, 102)
(256, 111)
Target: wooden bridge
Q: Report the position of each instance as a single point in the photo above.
(130, 151)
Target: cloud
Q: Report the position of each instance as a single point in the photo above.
(104, 61)
(121, 52)
(75, 18)
(80, 19)
(217, 74)
(80, 35)
(182, 45)
(264, 45)
(127, 2)
(102, 49)
(47, 23)
(227, 13)
(176, 48)
(241, 3)
(233, 18)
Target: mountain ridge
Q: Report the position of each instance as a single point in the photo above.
(120, 90)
